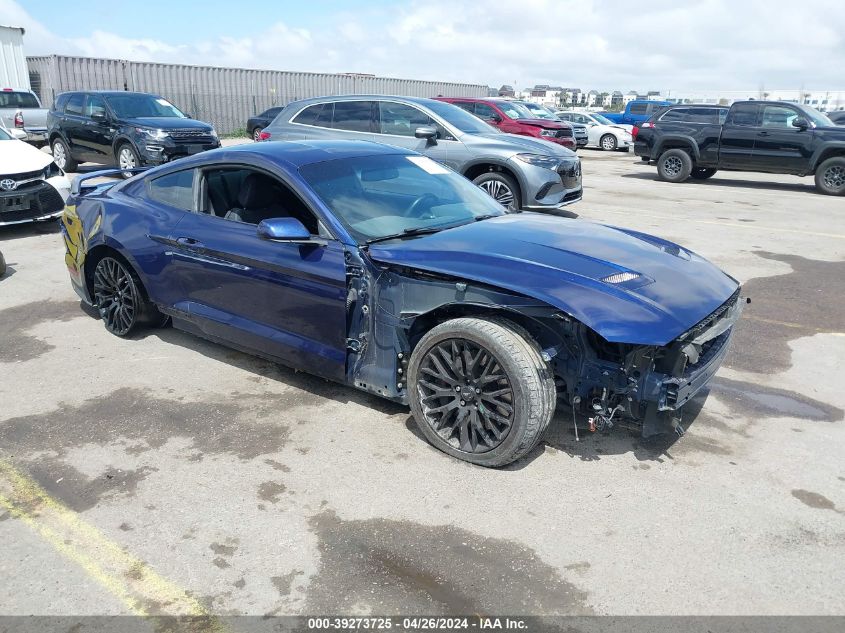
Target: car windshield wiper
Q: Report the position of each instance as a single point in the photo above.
(414, 231)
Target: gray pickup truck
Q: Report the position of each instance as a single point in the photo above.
(21, 109)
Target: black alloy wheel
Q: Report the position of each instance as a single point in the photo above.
(466, 396)
(116, 296)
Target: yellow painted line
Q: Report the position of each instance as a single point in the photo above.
(738, 225)
(131, 580)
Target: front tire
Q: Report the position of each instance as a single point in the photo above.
(501, 187)
(121, 300)
(127, 158)
(480, 391)
(830, 176)
(700, 173)
(62, 156)
(608, 143)
(674, 165)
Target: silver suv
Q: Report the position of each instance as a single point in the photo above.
(518, 171)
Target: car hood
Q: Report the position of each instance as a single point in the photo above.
(17, 157)
(562, 262)
(515, 144)
(168, 123)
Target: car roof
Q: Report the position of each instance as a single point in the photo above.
(355, 97)
(295, 153)
(108, 93)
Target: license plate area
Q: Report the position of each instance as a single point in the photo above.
(15, 203)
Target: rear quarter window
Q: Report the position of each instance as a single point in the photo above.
(319, 114)
(175, 190)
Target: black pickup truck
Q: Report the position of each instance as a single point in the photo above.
(766, 136)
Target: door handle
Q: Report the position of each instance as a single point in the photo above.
(762, 133)
(188, 241)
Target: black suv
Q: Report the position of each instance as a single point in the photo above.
(776, 137)
(131, 128)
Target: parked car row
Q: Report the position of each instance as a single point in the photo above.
(695, 141)
(518, 171)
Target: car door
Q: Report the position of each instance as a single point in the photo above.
(73, 126)
(780, 146)
(736, 144)
(397, 124)
(97, 131)
(284, 300)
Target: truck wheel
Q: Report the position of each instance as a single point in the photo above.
(674, 165)
(501, 187)
(699, 173)
(2, 265)
(830, 176)
(608, 143)
(480, 391)
(62, 157)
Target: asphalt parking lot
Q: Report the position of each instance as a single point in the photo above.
(166, 474)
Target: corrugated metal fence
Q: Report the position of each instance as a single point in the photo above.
(225, 97)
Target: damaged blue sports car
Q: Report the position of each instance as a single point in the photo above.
(380, 268)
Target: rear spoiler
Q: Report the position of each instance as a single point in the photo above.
(77, 187)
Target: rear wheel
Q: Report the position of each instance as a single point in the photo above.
(62, 157)
(674, 165)
(830, 176)
(256, 134)
(608, 143)
(480, 391)
(501, 187)
(121, 300)
(699, 173)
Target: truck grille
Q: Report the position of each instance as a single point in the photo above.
(191, 136)
(564, 133)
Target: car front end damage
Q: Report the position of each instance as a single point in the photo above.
(605, 384)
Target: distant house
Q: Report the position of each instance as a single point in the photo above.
(617, 100)
(629, 96)
(506, 91)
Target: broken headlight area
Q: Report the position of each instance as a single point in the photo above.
(642, 386)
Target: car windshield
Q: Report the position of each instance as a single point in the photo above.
(9, 99)
(396, 195)
(134, 106)
(818, 119)
(460, 118)
(598, 118)
(4, 136)
(539, 111)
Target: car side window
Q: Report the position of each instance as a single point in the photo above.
(676, 114)
(639, 108)
(319, 114)
(94, 105)
(778, 116)
(241, 194)
(402, 120)
(484, 111)
(272, 113)
(75, 104)
(175, 190)
(744, 114)
(354, 116)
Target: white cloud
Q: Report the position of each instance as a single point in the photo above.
(603, 44)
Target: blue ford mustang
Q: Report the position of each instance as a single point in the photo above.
(379, 268)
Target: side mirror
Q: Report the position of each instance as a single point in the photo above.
(283, 230)
(494, 118)
(426, 131)
(801, 123)
(99, 116)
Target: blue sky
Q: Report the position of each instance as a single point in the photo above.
(587, 44)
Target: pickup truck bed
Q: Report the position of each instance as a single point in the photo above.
(22, 110)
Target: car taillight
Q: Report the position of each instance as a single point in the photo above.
(18, 119)
(264, 136)
(634, 131)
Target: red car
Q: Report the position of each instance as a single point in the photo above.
(514, 118)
